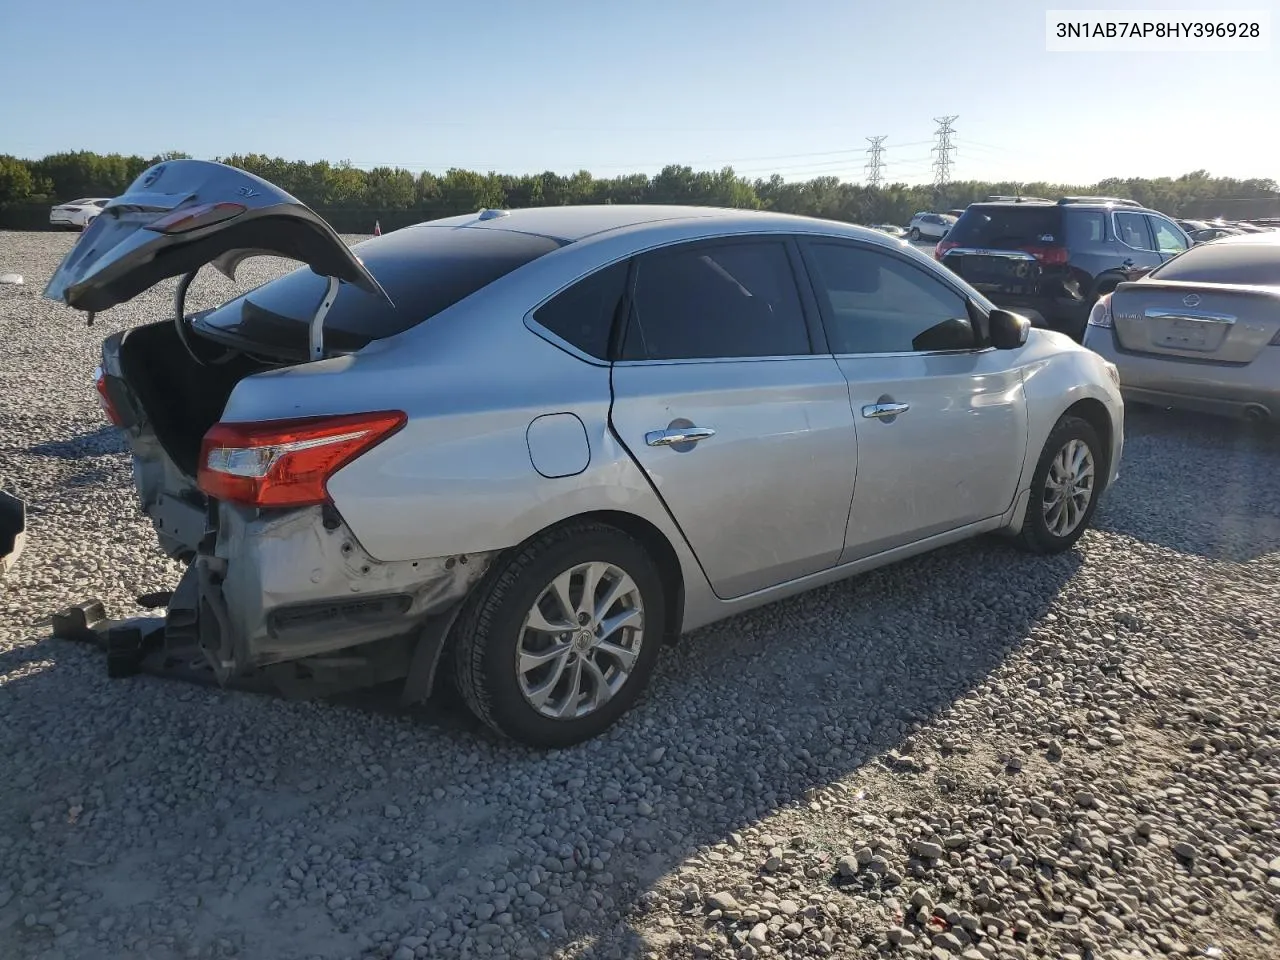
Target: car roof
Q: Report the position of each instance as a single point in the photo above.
(572, 223)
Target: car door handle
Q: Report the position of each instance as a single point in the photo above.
(672, 437)
(879, 411)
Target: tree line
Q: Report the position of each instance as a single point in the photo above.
(405, 196)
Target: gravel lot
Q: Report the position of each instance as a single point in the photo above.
(975, 754)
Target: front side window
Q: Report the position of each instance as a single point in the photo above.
(709, 301)
(1168, 240)
(1132, 230)
(878, 303)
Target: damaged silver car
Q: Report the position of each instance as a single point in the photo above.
(532, 446)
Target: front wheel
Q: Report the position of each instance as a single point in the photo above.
(1065, 487)
(560, 639)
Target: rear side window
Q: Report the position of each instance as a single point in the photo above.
(1008, 226)
(1132, 230)
(1226, 262)
(423, 269)
(716, 300)
(583, 314)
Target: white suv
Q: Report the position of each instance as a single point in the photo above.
(930, 226)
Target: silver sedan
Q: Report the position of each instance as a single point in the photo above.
(1201, 331)
(536, 445)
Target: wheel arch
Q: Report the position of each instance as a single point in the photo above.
(1094, 412)
(643, 531)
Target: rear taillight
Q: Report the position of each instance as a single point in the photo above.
(104, 398)
(192, 218)
(1100, 315)
(287, 463)
(1049, 256)
(943, 246)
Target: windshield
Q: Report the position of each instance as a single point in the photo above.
(1008, 226)
(424, 270)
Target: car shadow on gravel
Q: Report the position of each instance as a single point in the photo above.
(1197, 484)
(803, 693)
(96, 443)
(743, 718)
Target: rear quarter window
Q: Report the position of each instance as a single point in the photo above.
(1008, 226)
(424, 270)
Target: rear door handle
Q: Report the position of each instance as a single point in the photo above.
(880, 411)
(673, 437)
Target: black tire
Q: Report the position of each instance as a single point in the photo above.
(1036, 536)
(914, 234)
(490, 624)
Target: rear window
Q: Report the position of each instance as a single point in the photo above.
(423, 269)
(1247, 263)
(1008, 226)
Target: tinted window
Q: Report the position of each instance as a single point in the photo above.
(878, 303)
(1226, 262)
(1010, 225)
(423, 269)
(726, 300)
(1168, 240)
(583, 314)
(1087, 226)
(1131, 228)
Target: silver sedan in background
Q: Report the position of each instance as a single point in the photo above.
(535, 445)
(1201, 331)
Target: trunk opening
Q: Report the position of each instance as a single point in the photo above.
(180, 398)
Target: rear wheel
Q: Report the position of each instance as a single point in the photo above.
(914, 234)
(561, 637)
(1064, 488)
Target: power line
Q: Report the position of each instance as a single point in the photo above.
(944, 150)
(875, 165)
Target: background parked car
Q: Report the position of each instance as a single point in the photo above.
(1052, 259)
(1214, 233)
(891, 229)
(1201, 332)
(930, 226)
(486, 478)
(76, 213)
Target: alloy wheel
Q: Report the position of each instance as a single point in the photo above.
(579, 642)
(1068, 488)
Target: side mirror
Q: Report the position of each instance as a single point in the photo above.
(1008, 331)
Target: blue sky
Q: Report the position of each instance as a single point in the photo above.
(792, 86)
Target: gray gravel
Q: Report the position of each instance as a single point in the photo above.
(975, 754)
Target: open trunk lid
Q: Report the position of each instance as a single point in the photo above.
(182, 214)
(1222, 323)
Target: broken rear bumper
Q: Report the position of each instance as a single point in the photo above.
(289, 586)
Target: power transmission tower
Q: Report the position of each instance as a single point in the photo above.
(875, 163)
(944, 150)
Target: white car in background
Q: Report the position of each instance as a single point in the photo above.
(77, 213)
(930, 226)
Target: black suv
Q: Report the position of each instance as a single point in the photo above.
(1050, 260)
